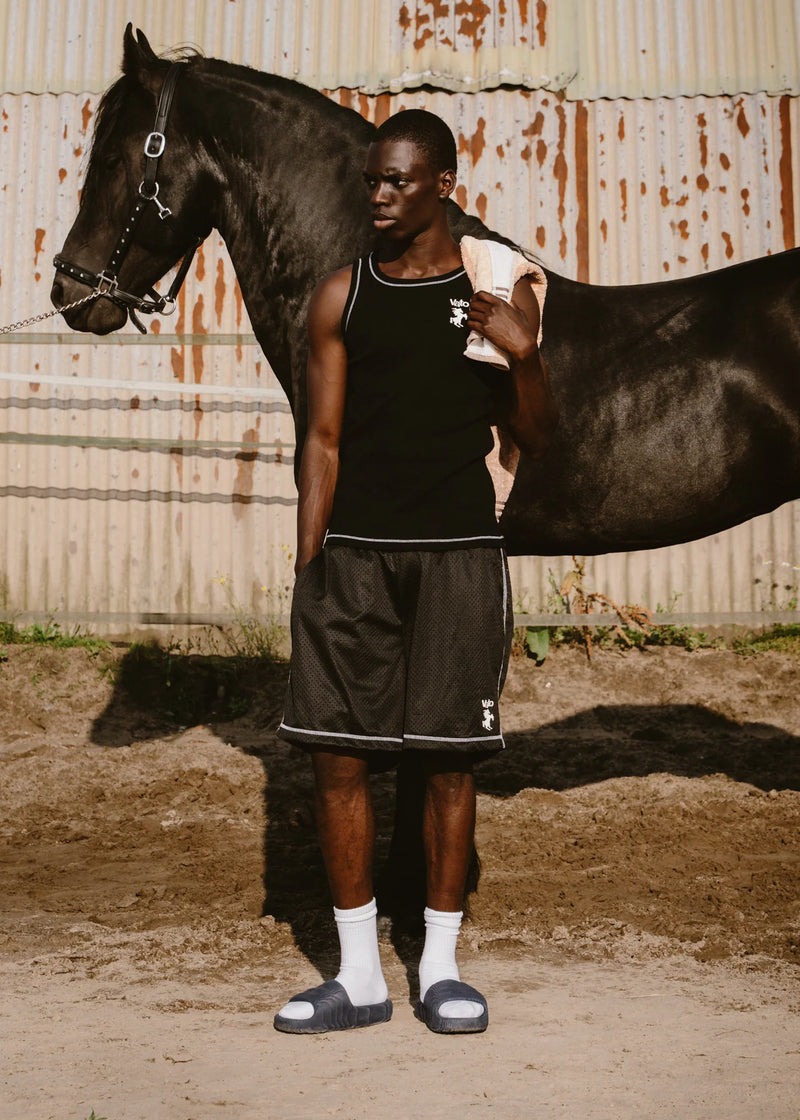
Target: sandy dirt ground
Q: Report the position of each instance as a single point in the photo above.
(636, 929)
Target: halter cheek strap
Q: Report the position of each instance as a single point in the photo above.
(105, 283)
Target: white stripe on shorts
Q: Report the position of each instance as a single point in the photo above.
(505, 611)
(340, 734)
(448, 739)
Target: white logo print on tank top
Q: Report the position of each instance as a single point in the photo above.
(458, 312)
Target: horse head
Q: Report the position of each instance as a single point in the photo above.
(141, 209)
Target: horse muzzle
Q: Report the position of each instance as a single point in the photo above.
(100, 316)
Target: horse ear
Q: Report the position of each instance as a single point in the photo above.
(139, 60)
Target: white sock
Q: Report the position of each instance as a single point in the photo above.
(439, 960)
(360, 973)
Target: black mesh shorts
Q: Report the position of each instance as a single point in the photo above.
(399, 650)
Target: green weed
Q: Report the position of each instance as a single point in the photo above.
(52, 635)
(636, 627)
(252, 635)
(781, 638)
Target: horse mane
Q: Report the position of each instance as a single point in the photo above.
(109, 108)
(276, 83)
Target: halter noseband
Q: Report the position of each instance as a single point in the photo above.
(105, 283)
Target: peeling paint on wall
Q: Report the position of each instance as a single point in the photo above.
(589, 49)
(708, 193)
(786, 174)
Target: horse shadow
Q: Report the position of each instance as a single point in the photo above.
(600, 743)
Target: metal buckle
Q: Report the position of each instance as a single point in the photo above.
(154, 145)
(109, 280)
(163, 211)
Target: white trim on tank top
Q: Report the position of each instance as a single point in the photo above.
(352, 298)
(421, 283)
(330, 536)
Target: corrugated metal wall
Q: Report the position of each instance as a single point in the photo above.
(586, 48)
(136, 474)
(679, 48)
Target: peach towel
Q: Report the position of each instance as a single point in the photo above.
(493, 267)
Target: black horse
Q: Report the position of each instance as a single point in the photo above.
(679, 401)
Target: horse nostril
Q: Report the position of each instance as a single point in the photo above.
(57, 294)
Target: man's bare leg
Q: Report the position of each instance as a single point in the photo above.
(346, 827)
(448, 832)
(448, 828)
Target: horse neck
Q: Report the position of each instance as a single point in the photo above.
(288, 208)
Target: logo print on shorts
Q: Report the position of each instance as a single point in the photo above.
(488, 715)
(458, 312)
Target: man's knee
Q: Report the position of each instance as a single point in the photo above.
(339, 777)
(449, 778)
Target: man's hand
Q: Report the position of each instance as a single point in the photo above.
(503, 324)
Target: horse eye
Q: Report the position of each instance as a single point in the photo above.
(111, 162)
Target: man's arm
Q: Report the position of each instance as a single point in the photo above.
(529, 411)
(326, 377)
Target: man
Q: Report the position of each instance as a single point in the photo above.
(401, 624)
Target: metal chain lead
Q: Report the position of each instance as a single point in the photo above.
(49, 314)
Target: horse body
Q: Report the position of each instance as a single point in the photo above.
(679, 401)
(680, 410)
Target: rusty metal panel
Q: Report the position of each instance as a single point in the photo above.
(471, 45)
(675, 187)
(372, 45)
(637, 48)
(125, 499)
(53, 46)
(588, 48)
(685, 185)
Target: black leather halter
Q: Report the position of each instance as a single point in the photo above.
(105, 283)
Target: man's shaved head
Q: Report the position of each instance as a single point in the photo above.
(427, 132)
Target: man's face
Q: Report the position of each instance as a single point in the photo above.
(405, 193)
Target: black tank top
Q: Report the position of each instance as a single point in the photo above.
(416, 428)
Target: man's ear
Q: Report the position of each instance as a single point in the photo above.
(140, 61)
(447, 183)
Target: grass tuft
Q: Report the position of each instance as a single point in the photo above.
(782, 638)
(51, 635)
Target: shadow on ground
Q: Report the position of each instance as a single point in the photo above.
(158, 694)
